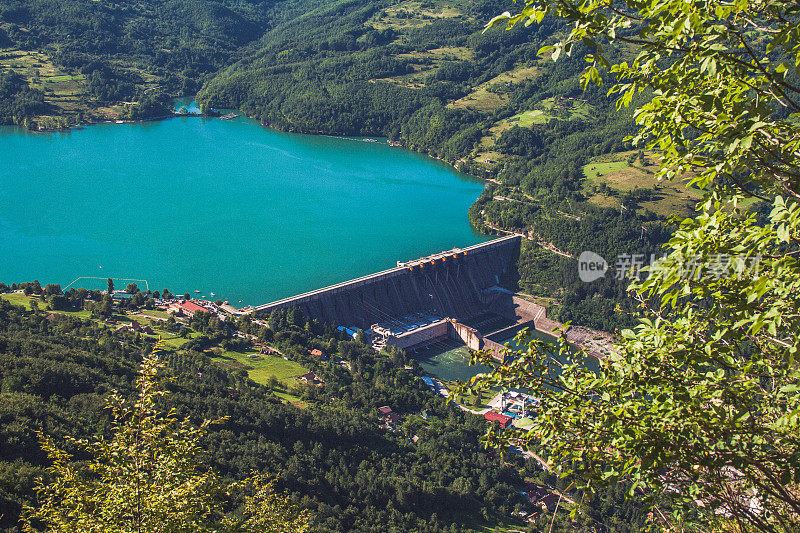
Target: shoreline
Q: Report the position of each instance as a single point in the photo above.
(319, 133)
(395, 143)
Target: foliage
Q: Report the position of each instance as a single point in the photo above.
(147, 477)
(700, 401)
(18, 102)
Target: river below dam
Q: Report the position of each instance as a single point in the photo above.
(222, 206)
(449, 360)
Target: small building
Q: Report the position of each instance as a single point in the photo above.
(494, 416)
(121, 295)
(263, 349)
(312, 379)
(185, 308)
(385, 410)
(318, 353)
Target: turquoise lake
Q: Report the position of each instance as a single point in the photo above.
(223, 206)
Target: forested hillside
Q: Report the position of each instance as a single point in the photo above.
(332, 455)
(89, 58)
(327, 447)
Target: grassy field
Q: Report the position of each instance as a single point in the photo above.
(546, 110)
(427, 62)
(21, 300)
(413, 14)
(468, 399)
(670, 198)
(175, 341)
(63, 90)
(157, 313)
(83, 314)
(485, 152)
(261, 368)
(289, 398)
(595, 171)
(484, 100)
(18, 299)
(527, 119)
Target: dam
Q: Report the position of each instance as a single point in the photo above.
(449, 284)
(453, 295)
(418, 301)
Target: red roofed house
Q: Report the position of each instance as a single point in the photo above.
(185, 307)
(503, 420)
(315, 352)
(385, 410)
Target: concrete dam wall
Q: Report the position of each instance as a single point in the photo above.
(451, 284)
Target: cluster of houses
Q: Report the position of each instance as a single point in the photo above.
(263, 349)
(388, 418)
(507, 407)
(541, 498)
(133, 325)
(311, 379)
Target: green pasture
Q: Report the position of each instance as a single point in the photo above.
(261, 368)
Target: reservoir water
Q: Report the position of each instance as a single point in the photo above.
(221, 206)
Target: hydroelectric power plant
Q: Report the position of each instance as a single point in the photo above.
(454, 294)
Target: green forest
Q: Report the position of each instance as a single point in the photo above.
(325, 445)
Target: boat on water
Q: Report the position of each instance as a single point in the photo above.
(212, 294)
(196, 291)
